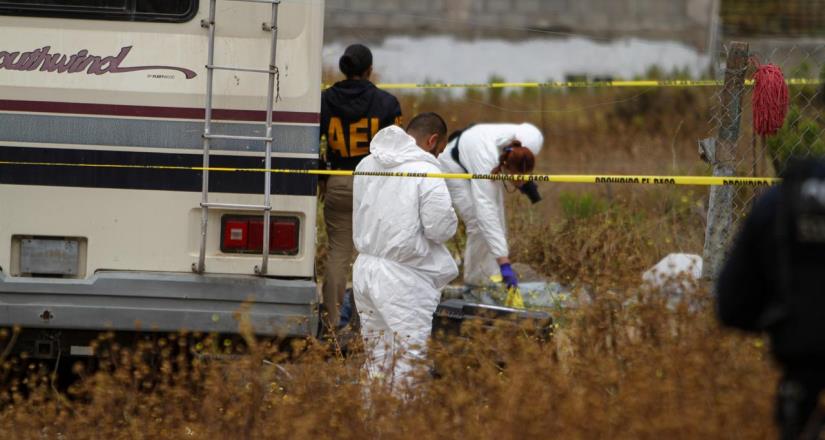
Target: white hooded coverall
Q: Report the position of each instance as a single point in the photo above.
(400, 225)
(480, 203)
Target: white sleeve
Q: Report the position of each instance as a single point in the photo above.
(436, 213)
(480, 157)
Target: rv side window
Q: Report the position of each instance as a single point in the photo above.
(175, 11)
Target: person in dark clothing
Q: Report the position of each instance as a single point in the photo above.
(774, 282)
(352, 112)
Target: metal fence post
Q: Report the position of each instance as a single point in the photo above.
(723, 159)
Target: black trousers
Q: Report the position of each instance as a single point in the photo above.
(797, 403)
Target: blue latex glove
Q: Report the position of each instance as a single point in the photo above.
(508, 276)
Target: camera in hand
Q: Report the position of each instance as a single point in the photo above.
(531, 190)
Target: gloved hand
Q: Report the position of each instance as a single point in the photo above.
(508, 276)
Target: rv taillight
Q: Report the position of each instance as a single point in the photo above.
(283, 236)
(244, 234)
(256, 235)
(235, 234)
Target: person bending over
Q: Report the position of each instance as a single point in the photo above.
(489, 149)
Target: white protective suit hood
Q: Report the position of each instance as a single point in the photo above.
(528, 134)
(392, 147)
(400, 225)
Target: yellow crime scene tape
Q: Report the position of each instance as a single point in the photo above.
(552, 178)
(583, 84)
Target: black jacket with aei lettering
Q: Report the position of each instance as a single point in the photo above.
(352, 111)
(774, 278)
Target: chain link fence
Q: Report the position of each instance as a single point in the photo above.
(734, 147)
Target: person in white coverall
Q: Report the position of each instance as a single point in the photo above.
(400, 225)
(486, 149)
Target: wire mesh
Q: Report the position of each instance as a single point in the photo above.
(801, 135)
(785, 18)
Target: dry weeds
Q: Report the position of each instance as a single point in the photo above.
(615, 369)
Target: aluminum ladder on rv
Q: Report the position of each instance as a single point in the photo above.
(208, 136)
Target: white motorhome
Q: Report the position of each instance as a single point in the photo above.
(120, 87)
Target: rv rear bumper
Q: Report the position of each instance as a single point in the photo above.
(161, 302)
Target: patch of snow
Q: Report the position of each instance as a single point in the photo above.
(447, 59)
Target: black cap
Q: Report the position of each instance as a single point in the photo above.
(357, 59)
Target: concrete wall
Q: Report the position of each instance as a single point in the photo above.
(679, 19)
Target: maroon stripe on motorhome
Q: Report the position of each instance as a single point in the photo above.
(154, 112)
